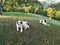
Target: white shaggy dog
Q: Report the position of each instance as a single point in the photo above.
(22, 24)
(44, 22)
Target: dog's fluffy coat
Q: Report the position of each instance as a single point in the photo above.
(22, 24)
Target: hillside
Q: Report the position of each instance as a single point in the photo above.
(56, 6)
(37, 34)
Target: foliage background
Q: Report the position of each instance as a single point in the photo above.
(31, 6)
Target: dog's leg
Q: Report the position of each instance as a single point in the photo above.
(25, 28)
(17, 28)
(21, 28)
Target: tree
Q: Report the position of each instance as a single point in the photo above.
(56, 6)
(0, 7)
(57, 13)
(54, 13)
(26, 10)
(36, 8)
(2, 3)
(51, 12)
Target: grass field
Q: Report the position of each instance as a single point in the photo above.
(37, 34)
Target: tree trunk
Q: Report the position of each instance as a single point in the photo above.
(0, 10)
(0, 7)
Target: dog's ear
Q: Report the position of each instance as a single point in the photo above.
(21, 22)
(17, 21)
(45, 20)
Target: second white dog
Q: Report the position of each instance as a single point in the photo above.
(44, 22)
(22, 24)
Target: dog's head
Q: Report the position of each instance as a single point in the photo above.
(45, 20)
(19, 22)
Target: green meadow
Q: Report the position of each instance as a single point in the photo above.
(37, 34)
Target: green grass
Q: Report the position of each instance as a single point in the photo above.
(30, 15)
(19, 14)
(37, 34)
